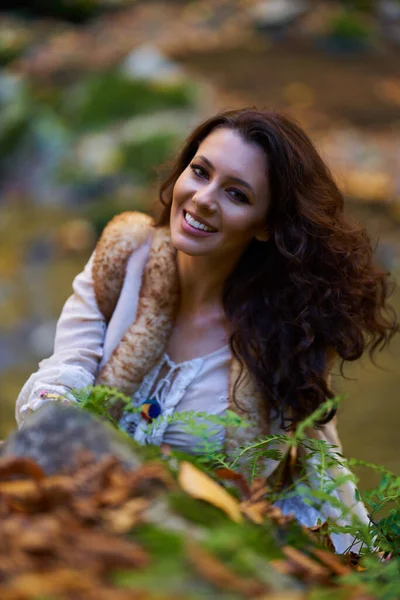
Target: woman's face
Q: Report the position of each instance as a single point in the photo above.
(225, 189)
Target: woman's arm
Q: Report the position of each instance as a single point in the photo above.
(78, 349)
(345, 492)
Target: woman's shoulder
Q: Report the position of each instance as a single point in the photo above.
(124, 234)
(127, 229)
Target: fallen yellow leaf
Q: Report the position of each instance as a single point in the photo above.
(198, 485)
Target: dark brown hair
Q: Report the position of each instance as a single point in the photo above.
(311, 292)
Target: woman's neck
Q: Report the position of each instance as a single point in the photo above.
(201, 283)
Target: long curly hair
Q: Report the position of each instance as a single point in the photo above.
(311, 293)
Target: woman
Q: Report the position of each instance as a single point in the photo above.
(244, 293)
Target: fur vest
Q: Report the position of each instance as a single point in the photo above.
(145, 341)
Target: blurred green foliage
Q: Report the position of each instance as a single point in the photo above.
(141, 157)
(112, 96)
(11, 46)
(350, 25)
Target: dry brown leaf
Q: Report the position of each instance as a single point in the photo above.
(22, 494)
(285, 567)
(12, 466)
(333, 561)
(198, 485)
(235, 477)
(121, 520)
(149, 478)
(58, 483)
(110, 551)
(389, 90)
(12, 561)
(93, 476)
(113, 496)
(213, 571)
(258, 489)
(278, 517)
(30, 585)
(85, 508)
(307, 567)
(254, 512)
(320, 533)
(42, 535)
(352, 559)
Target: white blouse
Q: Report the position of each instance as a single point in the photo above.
(179, 388)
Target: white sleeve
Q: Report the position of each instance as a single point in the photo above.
(346, 492)
(78, 349)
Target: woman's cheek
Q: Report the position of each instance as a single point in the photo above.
(180, 190)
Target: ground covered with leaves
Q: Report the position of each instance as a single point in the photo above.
(164, 530)
(88, 514)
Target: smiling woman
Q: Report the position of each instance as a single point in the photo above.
(241, 295)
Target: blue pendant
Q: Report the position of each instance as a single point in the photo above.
(150, 409)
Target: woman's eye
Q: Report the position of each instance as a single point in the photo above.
(198, 170)
(238, 195)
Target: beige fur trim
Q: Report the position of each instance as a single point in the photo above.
(144, 342)
(122, 235)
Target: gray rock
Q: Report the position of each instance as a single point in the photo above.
(278, 13)
(53, 435)
(147, 62)
(389, 9)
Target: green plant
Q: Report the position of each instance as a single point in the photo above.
(380, 579)
(350, 25)
(383, 533)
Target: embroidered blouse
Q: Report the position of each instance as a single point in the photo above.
(180, 388)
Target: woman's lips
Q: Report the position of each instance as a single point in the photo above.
(192, 230)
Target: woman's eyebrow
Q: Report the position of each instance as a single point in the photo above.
(235, 179)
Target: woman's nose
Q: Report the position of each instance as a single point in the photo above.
(205, 198)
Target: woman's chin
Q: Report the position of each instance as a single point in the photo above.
(191, 247)
(188, 248)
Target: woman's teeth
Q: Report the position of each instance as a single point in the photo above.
(196, 224)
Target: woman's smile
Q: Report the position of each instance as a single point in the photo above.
(195, 227)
